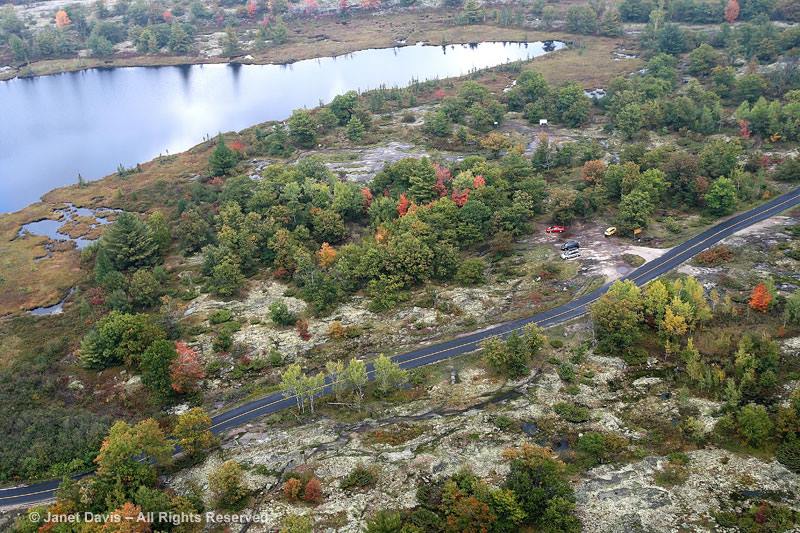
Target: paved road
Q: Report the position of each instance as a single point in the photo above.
(273, 403)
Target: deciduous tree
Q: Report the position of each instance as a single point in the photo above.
(186, 371)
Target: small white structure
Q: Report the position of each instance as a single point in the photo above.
(542, 122)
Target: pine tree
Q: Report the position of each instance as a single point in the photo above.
(355, 129)
(222, 159)
(128, 244)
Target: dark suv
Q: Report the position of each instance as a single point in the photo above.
(570, 245)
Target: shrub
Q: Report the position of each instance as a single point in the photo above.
(572, 412)
(715, 256)
(788, 453)
(470, 272)
(226, 485)
(359, 478)
(753, 424)
(219, 316)
(280, 314)
(566, 372)
(313, 491)
(291, 489)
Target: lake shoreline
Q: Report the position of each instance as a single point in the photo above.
(360, 34)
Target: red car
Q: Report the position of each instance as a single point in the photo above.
(555, 229)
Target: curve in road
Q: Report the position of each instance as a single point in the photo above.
(38, 492)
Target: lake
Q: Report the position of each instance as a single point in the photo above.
(89, 122)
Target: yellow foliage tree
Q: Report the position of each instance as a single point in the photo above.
(326, 255)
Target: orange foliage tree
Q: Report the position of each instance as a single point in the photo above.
(760, 298)
(291, 489)
(62, 19)
(126, 520)
(251, 8)
(302, 329)
(403, 205)
(167, 16)
(370, 4)
(592, 171)
(478, 182)
(366, 194)
(326, 255)
(186, 371)
(731, 11)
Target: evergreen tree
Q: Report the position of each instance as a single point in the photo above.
(179, 41)
(355, 129)
(303, 129)
(222, 159)
(154, 364)
(128, 244)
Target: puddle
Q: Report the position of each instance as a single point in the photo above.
(560, 445)
(55, 309)
(50, 228)
(595, 94)
(529, 428)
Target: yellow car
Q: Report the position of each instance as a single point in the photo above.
(610, 231)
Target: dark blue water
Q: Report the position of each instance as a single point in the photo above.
(89, 122)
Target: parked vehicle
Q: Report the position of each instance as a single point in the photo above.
(571, 254)
(610, 231)
(570, 245)
(556, 229)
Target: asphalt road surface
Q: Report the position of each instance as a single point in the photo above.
(38, 492)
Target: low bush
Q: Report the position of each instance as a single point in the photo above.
(572, 412)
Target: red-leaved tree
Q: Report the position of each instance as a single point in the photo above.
(186, 371)
(731, 11)
(313, 491)
(744, 128)
(460, 197)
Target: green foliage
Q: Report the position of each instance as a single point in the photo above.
(155, 367)
(788, 453)
(220, 315)
(719, 158)
(280, 314)
(117, 460)
(302, 129)
(226, 486)
(222, 160)
(118, 338)
(128, 244)
(511, 357)
(753, 424)
(572, 412)
(388, 375)
(582, 19)
(542, 489)
(359, 477)
(355, 129)
(617, 316)
(193, 431)
(471, 272)
(721, 197)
